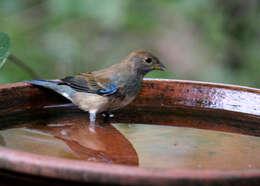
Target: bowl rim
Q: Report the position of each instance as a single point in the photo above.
(58, 168)
(78, 170)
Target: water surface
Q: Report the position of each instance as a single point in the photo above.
(161, 144)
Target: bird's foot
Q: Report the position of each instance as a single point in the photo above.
(107, 115)
(94, 123)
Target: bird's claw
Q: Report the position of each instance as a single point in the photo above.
(107, 115)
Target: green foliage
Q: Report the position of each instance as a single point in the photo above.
(4, 47)
(204, 40)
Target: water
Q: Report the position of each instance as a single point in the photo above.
(148, 139)
(164, 147)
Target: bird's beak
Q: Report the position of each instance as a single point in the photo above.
(159, 67)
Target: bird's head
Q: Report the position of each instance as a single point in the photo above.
(144, 62)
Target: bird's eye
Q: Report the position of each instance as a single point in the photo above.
(148, 60)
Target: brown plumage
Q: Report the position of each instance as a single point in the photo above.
(108, 89)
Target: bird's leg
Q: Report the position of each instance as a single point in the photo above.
(93, 122)
(92, 116)
(92, 119)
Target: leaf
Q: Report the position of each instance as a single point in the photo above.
(4, 47)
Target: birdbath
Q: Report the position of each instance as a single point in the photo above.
(174, 133)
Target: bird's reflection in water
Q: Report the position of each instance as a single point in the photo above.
(96, 143)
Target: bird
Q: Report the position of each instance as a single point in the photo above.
(105, 90)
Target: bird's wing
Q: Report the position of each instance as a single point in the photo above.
(89, 83)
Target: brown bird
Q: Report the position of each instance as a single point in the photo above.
(108, 89)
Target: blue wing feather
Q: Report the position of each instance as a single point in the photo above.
(90, 85)
(111, 89)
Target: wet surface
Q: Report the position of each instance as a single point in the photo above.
(165, 147)
(166, 143)
(68, 135)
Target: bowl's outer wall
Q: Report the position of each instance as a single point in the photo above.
(234, 102)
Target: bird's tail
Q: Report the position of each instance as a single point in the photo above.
(64, 90)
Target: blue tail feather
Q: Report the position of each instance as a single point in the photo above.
(64, 90)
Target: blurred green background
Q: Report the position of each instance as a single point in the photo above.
(206, 40)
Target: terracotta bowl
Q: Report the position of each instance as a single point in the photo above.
(217, 107)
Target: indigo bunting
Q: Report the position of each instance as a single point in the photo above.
(108, 89)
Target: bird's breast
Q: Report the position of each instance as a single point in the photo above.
(124, 95)
(88, 101)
